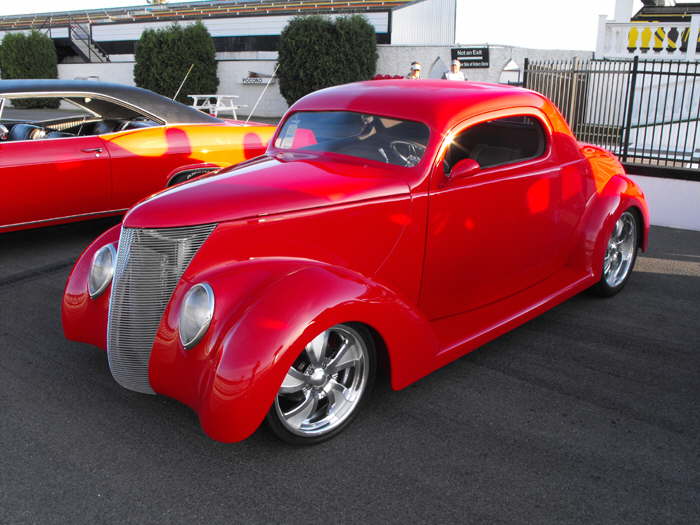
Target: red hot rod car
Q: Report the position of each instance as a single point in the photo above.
(115, 145)
(390, 223)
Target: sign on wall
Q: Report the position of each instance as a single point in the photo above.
(472, 57)
(257, 81)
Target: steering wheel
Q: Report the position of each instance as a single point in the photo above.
(409, 152)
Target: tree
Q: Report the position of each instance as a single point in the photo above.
(30, 55)
(163, 57)
(316, 52)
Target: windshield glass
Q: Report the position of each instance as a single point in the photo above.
(398, 142)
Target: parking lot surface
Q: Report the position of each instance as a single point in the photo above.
(587, 414)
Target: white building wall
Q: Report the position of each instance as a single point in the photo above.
(672, 203)
(393, 60)
(54, 32)
(230, 73)
(426, 22)
(221, 27)
(121, 73)
(396, 59)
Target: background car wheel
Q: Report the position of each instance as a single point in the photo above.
(326, 386)
(620, 255)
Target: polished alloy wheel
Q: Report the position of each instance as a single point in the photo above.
(619, 255)
(325, 384)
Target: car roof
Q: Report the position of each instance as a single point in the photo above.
(439, 103)
(165, 109)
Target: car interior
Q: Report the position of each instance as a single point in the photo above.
(399, 142)
(498, 142)
(85, 116)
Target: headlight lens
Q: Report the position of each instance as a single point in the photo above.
(195, 314)
(102, 270)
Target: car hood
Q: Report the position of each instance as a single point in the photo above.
(267, 186)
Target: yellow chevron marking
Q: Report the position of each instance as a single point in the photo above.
(659, 37)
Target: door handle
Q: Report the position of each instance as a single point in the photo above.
(92, 150)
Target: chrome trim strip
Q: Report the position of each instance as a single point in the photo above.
(62, 218)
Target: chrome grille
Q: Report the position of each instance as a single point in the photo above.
(149, 265)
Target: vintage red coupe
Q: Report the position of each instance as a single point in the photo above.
(110, 147)
(390, 224)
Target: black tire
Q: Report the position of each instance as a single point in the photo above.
(282, 427)
(607, 286)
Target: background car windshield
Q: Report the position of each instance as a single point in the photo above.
(392, 141)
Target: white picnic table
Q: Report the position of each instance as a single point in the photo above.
(219, 104)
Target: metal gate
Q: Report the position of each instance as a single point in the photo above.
(645, 111)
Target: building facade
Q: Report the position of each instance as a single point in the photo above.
(100, 43)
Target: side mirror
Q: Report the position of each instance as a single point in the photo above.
(464, 168)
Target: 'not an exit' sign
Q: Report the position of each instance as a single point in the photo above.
(472, 57)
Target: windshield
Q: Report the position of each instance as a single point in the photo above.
(398, 142)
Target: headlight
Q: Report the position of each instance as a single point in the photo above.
(195, 314)
(102, 270)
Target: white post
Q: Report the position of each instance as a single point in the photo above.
(624, 10)
(693, 37)
(602, 34)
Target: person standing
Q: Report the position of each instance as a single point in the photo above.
(414, 73)
(455, 72)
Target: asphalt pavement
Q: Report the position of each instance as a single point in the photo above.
(587, 414)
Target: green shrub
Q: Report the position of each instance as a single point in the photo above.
(163, 57)
(316, 52)
(29, 56)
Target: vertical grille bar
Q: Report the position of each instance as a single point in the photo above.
(149, 265)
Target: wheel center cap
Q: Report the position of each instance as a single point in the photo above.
(317, 377)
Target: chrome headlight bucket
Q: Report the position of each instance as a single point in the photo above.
(102, 270)
(195, 314)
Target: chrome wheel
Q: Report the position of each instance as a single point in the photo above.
(324, 386)
(621, 250)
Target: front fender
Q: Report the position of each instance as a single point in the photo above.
(266, 311)
(85, 319)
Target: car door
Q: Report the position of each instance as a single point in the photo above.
(52, 178)
(143, 158)
(498, 231)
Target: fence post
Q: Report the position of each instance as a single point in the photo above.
(630, 107)
(572, 93)
(693, 37)
(526, 66)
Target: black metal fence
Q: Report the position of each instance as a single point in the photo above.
(645, 111)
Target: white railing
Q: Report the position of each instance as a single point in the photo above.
(672, 40)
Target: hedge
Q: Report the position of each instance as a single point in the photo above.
(30, 55)
(316, 52)
(163, 57)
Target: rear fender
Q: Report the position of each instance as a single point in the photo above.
(618, 194)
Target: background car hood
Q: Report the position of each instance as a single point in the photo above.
(267, 186)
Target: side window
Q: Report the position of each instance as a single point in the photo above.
(25, 118)
(498, 142)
